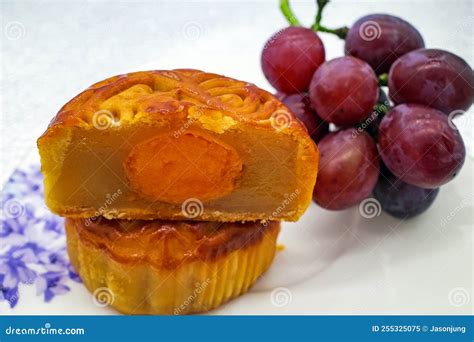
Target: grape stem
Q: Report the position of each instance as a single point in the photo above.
(383, 80)
(288, 13)
(319, 13)
(285, 8)
(341, 32)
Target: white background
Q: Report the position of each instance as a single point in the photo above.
(333, 262)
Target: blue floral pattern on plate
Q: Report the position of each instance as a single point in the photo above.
(32, 241)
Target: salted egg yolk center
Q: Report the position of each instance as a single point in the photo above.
(172, 169)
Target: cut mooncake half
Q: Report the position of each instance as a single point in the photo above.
(169, 267)
(145, 145)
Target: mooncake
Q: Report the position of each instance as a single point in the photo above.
(169, 267)
(145, 144)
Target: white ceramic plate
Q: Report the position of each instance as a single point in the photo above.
(333, 262)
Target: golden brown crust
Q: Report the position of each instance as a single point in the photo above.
(179, 103)
(166, 244)
(169, 267)
(159, 95)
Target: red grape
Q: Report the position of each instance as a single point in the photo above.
(344, 90)
(379, 39)
(348, 169)
(419, 146)
(290, 58)
(300, 105)
(432, 77)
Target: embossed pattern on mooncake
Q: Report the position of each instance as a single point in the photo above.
(168, 96)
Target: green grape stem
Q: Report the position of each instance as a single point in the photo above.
(288, 13)
(383, 80)
(319, 12)
(341, 32)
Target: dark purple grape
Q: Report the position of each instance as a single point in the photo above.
(436, 78)
(400, 199)
(419, 146)
(300, 105)
(372, 122)
(344, 90)
(290, 58)
(348, 169)
(379, 39)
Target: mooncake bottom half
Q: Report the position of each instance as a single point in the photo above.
(169, 267)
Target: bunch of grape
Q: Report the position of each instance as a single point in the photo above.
(399, 151)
